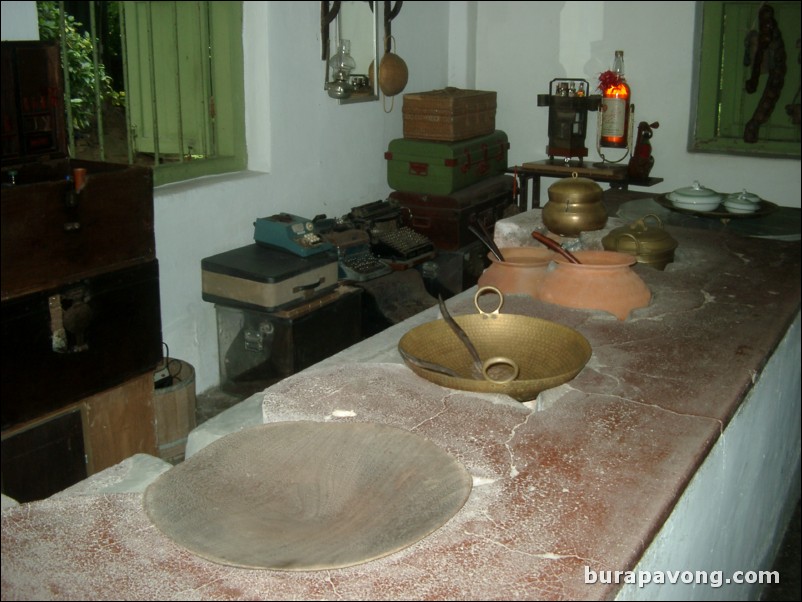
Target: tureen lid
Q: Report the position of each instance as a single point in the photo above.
(575, 189)
(743, 196)
(696, 191)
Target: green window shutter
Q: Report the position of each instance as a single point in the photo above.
(723, 106)
(184, 86)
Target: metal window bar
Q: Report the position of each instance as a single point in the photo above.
(178, 85)
(210, 143)
(153, 94)
(65, 66)
(128, 125)
(96, 73)
(205, 56)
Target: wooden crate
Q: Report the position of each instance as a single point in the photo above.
(449, 115)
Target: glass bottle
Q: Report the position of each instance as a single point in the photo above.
(615, 108)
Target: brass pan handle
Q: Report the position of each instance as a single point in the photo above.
(482, 291)
(628, 235)
(500, 361)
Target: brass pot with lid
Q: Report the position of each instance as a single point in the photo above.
(575, 206)
(651, 245)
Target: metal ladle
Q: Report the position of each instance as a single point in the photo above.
(487, 240)
(480, 369)
(554, 246)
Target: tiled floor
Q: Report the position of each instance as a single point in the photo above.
(210, 403)
(788, 561)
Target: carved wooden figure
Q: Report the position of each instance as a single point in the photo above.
(642, 161)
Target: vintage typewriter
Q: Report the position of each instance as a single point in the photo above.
(356, 260)
(290, 233)
(399, 245)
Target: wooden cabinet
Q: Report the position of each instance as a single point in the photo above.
(58, 449)
(81, 326)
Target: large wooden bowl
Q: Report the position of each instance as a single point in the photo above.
(307, 496)
(547, 354)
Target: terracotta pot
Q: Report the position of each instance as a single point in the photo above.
(604, 280)
(521, 272)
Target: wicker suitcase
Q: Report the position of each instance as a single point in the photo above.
(449, 115)
(442, 168)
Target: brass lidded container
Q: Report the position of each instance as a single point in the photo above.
(651, 245)
(575, 205)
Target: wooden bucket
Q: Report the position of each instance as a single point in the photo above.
(174, 409)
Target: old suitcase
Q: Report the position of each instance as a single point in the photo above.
(62, 220)
(257, 348)
(452, 272)
(264, 278)
(445, 218)
(449, 115)
(444, 167)
(66, 343)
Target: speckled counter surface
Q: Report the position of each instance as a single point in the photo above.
(582, 477)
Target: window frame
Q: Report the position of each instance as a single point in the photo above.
(227, 119)
(228, 92)
(716, 70)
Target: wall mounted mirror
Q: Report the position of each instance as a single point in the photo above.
(351, 46)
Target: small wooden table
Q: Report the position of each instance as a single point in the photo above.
(615, 175)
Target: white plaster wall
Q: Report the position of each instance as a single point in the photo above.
(307, 155)
(522, 46)
(310, 155)
(734, 511)
(19, 20)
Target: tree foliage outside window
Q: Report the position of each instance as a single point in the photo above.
(134, 97)
(81, 68)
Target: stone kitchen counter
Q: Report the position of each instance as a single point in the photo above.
(580, 480)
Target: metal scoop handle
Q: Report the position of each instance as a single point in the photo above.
(477, 370)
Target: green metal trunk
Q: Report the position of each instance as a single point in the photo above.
(441, 168)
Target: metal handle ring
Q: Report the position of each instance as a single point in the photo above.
(657, 217)
(500, 361)
(633, 237)
(482, 291)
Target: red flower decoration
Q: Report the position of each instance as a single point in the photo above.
(608, 79)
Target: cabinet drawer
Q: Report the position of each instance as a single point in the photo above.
(66, 343)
